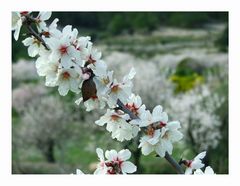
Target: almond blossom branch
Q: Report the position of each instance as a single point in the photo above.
(71, 63)
(168, 157)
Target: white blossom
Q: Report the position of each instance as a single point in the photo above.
(148, 142)
(194, 164)
(16, 24)
(91, 55)
(103, 78)
(40, 20)
(161, 140)
(121, 91)
(34, 46)
(67, 79)
(51, 30)
(134, 104)
(115, 162)
(208, 170)
(94, 103)
(169, 135)
(62, 48)
(48, 68)
(117, 124)
(101, 167)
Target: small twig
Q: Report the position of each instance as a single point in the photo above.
(28, 23)
(126, 110)
(38, 37)
(168, 157)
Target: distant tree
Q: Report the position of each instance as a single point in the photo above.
(45, 124)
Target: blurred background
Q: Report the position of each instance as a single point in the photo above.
(181, 59)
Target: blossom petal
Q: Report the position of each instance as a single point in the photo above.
(175, 136)
(197, 164)
(198, 172)
(157, 111)
(111, 155)
(78, 101)
(100, 155)
(209, 170)
(17, 30)
(188, 171)
(28, 41)
(201, 155)
(147, 149)
(45, 15)
(128, 167)
(63, 89)
(174, 125)
(33, 50)
(124, 154)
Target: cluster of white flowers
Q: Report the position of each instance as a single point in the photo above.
(71, 63)
(24, 71)
(201, 120)
(196, 164)
(25, 95)
(160, 133)
(115, 162)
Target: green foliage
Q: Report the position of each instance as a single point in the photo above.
(186, 83)
(222, 41)
(148, 20)
(108, 24)
(190, 19)
(195, 19)
(117, 25)
(19, 51)
(221, 162)
(188, 74)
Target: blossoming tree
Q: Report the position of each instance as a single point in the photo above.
(71, 63)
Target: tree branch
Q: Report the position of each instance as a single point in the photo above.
(28, 23)
(168, 157)
(126, 110)
(37, 36)
(173, 162)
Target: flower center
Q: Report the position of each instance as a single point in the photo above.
(132, 108)
(114, 167)
(63, 49)
(150, 131)
(105, 81)
(65, 75)
(36, 41)
(114, 117)
(115, 88)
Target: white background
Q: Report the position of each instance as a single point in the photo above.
(122, 5)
